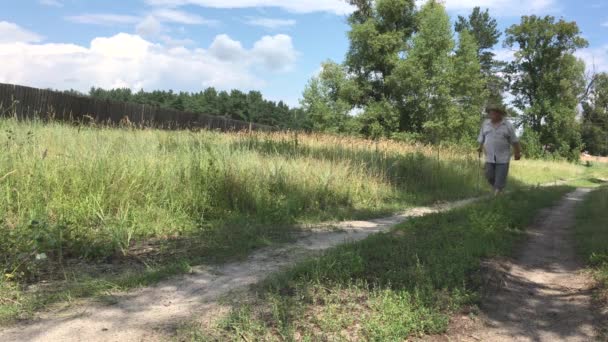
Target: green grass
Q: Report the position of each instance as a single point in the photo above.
(142, 201)
(390, 286)
(592, 237)
(72, 192)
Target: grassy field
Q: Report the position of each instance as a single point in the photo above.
(388, 287)
(153, 202)
(98, 193)
(592, 240)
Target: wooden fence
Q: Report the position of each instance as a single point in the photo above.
(33, 103)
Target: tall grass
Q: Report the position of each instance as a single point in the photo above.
(97, 192)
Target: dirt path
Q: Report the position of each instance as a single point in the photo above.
(149, 314)
(541, 295)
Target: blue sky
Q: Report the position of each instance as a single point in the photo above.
(271, 45)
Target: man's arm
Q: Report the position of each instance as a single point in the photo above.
(517, 147)
(514, 140)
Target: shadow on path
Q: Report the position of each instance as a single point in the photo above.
(543, 294)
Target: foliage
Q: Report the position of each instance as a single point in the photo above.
(468, 90)
(402, 76)
(531, 146)
(250, 107)
(546, 80)
(405, 77)
(424, 75)
(484, 28)
(378, 36)
(595, 117)
(391, 286)
(324, 99)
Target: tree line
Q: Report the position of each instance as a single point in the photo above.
(405, 76)
(236, 105)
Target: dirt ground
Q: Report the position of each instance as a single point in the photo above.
(543, 294)
(586, 157)
(153, 313)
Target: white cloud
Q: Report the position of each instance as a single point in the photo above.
(160, 15)
(339, 7)
(504, 54)
(11, 33)
(596, 59)
(52, 3)
(501, 7)
(605, 24)
(128, 60)
(149, 27)
(175, 42)
(275, 52)
(181, 17)
(103, 19)
(271, 23)
(225, 48)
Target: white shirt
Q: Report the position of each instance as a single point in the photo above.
(497, 141)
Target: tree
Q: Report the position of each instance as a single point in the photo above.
(595, 117)
(469, 91)
(420, 83)
(255, 108)
(379, 32)
(484, 28)
(325, 99)
(208, 103)
(547, 80)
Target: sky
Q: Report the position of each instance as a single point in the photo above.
(274, 46)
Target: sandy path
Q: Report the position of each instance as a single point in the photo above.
(541, 295)
(144, 315)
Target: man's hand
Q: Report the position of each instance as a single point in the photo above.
(480, 150)
(517, 155)
(517, 151)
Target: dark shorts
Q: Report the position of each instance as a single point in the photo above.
(496, 174)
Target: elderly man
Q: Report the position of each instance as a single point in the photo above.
(495, 138)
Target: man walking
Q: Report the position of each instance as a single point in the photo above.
(496, 137)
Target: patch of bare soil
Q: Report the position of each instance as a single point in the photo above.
(590, 158)
(153, 313)
(543, 294)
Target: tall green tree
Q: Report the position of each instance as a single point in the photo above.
(469, 89)
(595, 117)
(327, 99)
(485, 30)
(421, 82)
(378, 37)
(546, 80)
